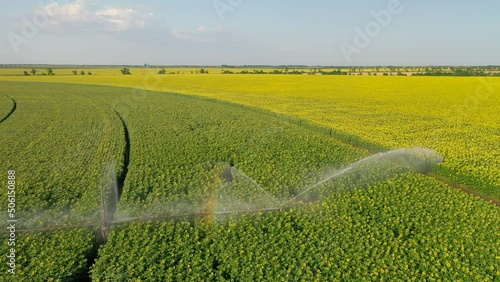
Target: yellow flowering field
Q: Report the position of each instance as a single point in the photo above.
(456, 116)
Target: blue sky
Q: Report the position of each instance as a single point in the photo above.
(272, 32)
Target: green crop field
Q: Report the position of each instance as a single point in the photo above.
(232, 140)
(59, 143)
(195, 189)
(391, 230)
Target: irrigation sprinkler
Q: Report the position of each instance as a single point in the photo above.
(362, 173)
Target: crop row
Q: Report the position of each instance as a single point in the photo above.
(62, 146)
(62, 255)
(178, 144)
(189, 155)
(72, 137)
(406, 228)
(455, 116)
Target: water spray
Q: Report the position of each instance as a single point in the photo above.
(231, 191)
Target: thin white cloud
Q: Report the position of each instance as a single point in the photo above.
(210, 30)
(85, 13)
(201, 34)
(179, 34)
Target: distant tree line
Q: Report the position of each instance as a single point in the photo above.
(288, 71)
(299, 70)
(472, 71)
(75, 72)
(390, 71)
(34, 72)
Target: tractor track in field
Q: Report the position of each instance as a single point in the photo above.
(14, 107)
(464, 189)
(120, 181)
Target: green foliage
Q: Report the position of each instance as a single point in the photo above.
(125, 71)
(56, 256)
(61, 145)
(178, 138)
(390, 231)
(6, 105)
(63, 138)
(458, 71)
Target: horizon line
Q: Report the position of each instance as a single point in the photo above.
(241, 65)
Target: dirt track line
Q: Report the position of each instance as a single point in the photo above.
(464, 189)
(14, 107)
(126, 155)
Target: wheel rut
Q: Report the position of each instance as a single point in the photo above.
(12, 110)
